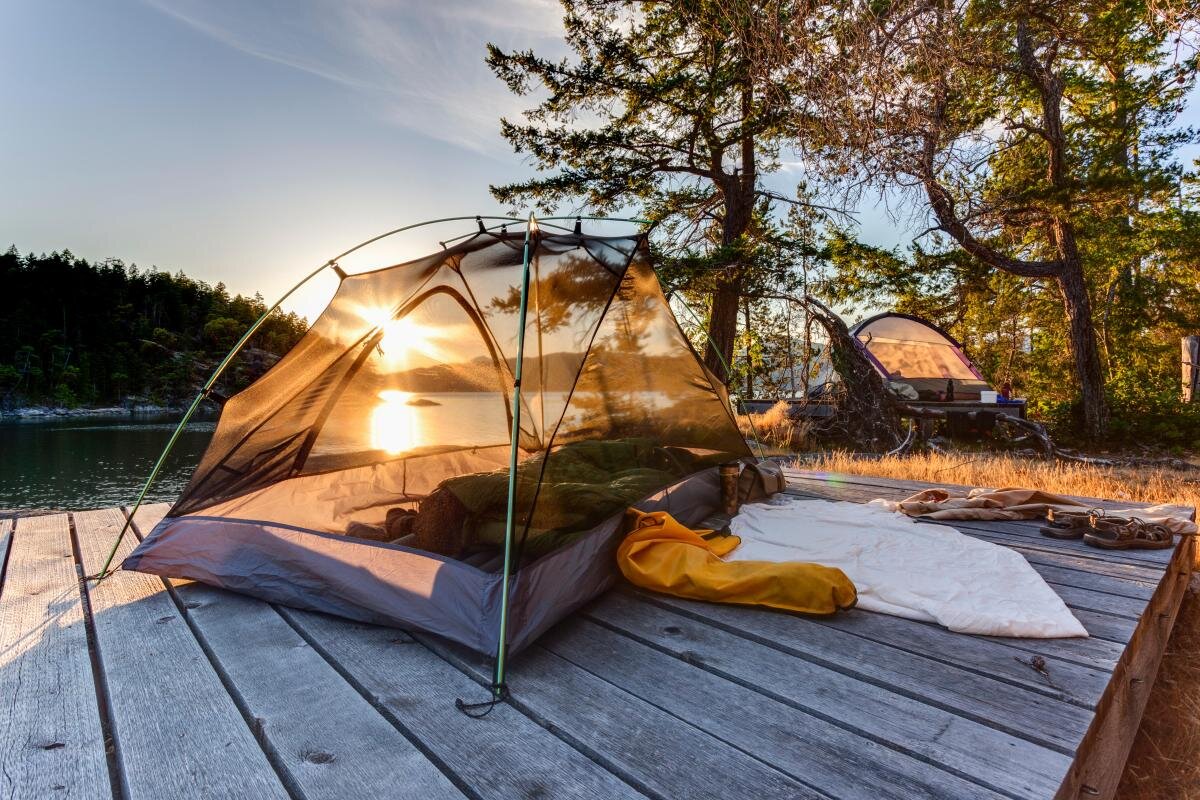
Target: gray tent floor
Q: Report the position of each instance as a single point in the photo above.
(144, 688)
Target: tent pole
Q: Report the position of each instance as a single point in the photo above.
(332, 263)
(728, 371)
(254, 328)
(498, 688)
(203, 393)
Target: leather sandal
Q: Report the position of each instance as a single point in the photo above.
(1067, 524)
(1120, 533)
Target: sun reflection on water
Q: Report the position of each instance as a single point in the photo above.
(394, 424)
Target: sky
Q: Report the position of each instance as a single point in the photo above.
(248, 142)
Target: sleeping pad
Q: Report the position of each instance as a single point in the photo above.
(662, 555)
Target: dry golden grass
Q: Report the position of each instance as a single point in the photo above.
(775, 430)
(1140, 485)
(1165, 760)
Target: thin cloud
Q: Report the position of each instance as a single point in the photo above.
(421, 65)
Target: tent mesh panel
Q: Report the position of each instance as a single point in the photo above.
(399, 396)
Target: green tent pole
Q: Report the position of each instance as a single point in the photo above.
(510, 517)
(331, 263)
(158, 465)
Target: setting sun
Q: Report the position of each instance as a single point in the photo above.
(403, 338)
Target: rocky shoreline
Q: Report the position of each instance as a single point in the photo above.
(17, 513)
(52, 412)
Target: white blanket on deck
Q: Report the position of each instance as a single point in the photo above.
(926, 572)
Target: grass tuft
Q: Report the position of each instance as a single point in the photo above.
(776, 430)
(1137, 485)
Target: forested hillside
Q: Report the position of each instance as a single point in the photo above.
(78, 333)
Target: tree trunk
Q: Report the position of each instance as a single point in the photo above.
(749, 354)
(722, 326)
(727, 294)
(737, 191)
(1190, 346)
(1084, 352)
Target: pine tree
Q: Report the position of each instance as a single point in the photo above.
(1037, 132)
(658, 109)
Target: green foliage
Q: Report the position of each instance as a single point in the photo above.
(99, 334)
(1124, 198)
(649, 110)
(222, 333)
(661, 108)
(63, 396)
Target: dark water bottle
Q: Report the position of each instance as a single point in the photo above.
(949, 389)
(730, 473)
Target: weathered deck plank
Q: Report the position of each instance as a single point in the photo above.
(1118, 630)
(175, 728)
(1076, 578)
(654, 751)
(1094, 652)
(986, 656)
(1101, 754)
(324, 735)
(1091, 600)
(958, 745)
(328, 741)
(638, 695)
(830, 759)
(1043, 552)
(503, 755)
(51, 742)
(1028, 715)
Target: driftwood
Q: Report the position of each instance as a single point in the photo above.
(866, 414)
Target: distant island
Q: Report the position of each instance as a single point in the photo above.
(76, 335)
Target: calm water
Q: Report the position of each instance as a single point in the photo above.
(96, 462)
(93, 462)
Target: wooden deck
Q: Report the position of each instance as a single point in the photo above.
(140, 688)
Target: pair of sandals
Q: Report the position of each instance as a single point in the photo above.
(1101, 530)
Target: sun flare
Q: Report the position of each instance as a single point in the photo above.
(403, 338)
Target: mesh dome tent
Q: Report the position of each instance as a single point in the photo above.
(908, 349)
(911, 350)
(398, 407)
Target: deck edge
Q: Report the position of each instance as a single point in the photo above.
(1102, 754)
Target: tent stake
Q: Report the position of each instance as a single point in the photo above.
(498, 687)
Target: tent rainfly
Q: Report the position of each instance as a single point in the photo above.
(367, 474)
